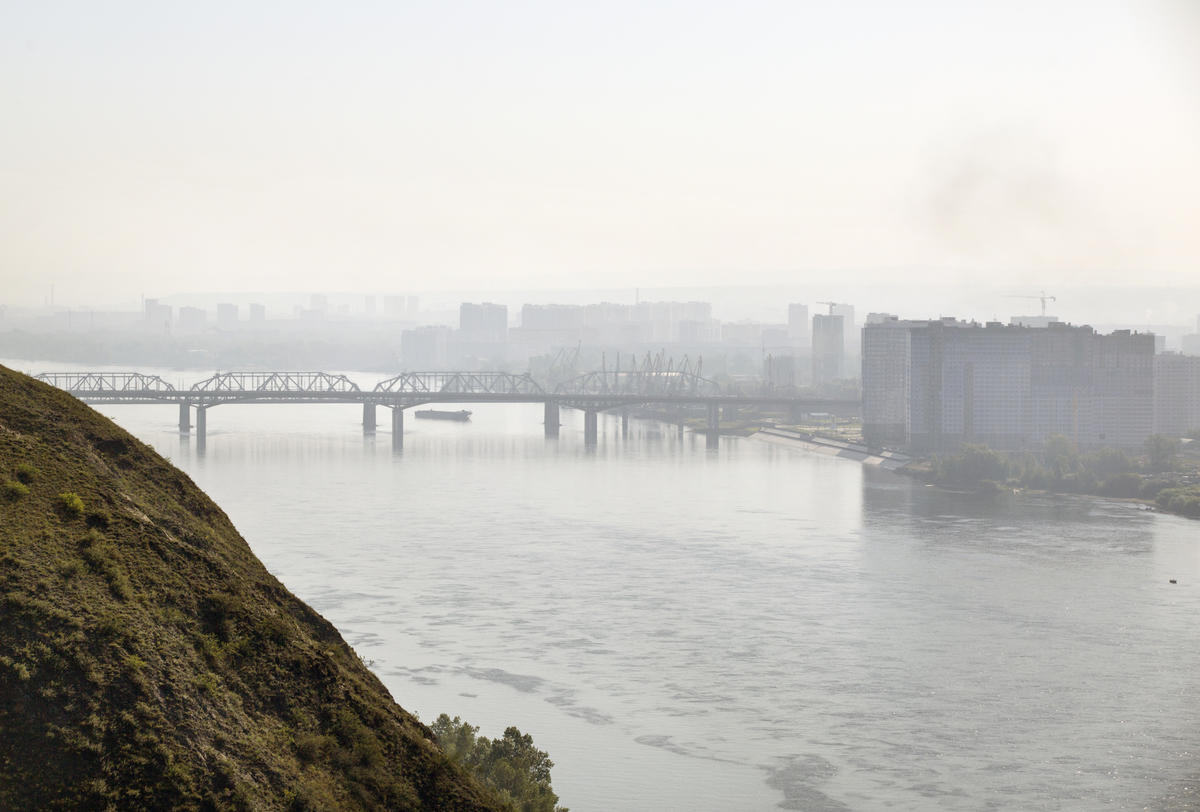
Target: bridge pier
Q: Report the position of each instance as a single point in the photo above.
(551, 420)
(201, 427)
(185, 418)
(397, 428)
(368, 418)
(624, 423)
(589, 427)
(714, 426)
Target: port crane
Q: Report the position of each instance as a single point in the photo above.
(1043, 299)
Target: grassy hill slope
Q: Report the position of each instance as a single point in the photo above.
(149, 660)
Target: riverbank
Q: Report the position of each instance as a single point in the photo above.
(887, 460)
(1176, 493)
(1171, 487)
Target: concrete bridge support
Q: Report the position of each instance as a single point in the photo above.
(368, 418)
(714, 426)
(185, 417)
(589, 427)
(397, 429)
(201, 427)
(551, 421)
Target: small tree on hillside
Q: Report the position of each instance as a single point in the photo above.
(510, 766)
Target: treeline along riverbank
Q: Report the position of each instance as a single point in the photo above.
(1166, 474)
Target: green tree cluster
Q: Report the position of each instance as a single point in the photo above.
(1161, 451)
(1060, 467)
(973, 465)
(516, 771)
(1184, 501)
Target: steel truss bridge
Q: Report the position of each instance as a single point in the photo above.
(651, 383)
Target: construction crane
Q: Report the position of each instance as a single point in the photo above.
(1043, 299)
(832, 305)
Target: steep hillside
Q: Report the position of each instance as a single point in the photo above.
(147, 658)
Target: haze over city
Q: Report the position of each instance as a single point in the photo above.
(157, 150)
(713, 406)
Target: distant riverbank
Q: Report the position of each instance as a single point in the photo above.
(887, 460)
(1165, 477)
(1170, 492)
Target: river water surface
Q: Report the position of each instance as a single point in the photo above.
(751, 628)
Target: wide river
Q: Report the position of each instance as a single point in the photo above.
(751, 628)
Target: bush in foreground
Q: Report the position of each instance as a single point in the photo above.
(510, 766)
(70, 504)
(14, 490)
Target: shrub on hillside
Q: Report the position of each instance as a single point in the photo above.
(70, 504)
(14, 490)
(26, 473)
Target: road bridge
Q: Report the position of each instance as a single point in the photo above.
(591, 393)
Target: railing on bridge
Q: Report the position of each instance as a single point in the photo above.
(274, 383)
(99, 384)
(459, 383)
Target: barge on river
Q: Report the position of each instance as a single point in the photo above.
(462, 415)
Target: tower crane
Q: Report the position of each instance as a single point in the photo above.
(832, 305)
(1043, 299)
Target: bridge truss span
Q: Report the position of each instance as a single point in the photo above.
(126, 386)
(422, 385)
(655, 379)
(234, 386)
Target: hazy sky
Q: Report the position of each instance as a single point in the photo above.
(396, 146)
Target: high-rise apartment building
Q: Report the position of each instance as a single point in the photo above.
(797, 325)
(483, 323)
(885, 364)
(828, 348)
(426, 348)
(1176, 394)
(1007, 386)
(158, 315)
(191, 318)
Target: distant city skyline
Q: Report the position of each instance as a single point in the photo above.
(1098, 305)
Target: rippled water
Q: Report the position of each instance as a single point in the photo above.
(745, 629)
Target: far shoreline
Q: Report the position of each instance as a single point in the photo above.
(905, 465)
